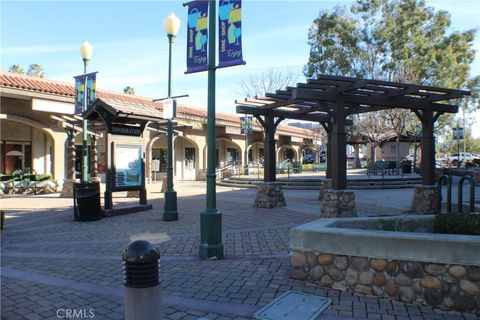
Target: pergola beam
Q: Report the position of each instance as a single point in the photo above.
(281, 114)
(380, 100)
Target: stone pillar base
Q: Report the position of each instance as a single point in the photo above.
(338, 204)
(326, 184)
(67, 188)
(425, 199)
(270, 195)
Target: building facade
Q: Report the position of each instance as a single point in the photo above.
(36, 134)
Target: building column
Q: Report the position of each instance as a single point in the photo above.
(67, 188)
(93, 158)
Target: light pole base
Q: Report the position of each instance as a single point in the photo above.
(170, 212)
(211, 245)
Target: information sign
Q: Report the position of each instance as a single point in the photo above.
(128, 166)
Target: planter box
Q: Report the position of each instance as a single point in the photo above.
(350, 254)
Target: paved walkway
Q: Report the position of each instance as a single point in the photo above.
(51, 263)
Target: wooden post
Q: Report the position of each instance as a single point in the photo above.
(269, 145)
(428, 148)
(338, 149)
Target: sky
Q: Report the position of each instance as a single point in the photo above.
(131, 47)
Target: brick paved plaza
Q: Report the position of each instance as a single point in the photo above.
(52, 263)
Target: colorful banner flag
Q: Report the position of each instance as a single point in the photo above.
(79, 91)
(230, 33)
(197, 36)
(246, 124)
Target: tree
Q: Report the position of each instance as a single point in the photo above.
(267, 82)
(393, 40)
(129, 90)
(15, 68)
(35, 70)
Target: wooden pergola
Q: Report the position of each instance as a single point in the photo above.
(329, 100)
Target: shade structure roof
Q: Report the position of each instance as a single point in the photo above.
(122, 112)
(314, 100)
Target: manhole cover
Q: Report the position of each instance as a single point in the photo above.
(295, 306)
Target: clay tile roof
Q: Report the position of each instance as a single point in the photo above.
(40, 85)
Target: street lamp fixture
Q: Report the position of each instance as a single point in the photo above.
(86, 51)
(171, 24)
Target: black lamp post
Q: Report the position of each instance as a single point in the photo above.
(170, 213)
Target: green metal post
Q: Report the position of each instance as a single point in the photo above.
(211, 219)
(84, 127)
(245, 156)
(170, 212)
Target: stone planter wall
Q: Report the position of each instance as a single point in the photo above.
(446, 286)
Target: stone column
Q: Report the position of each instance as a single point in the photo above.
(270, 195)
(425, 199)
(67, 188)
(338, 204)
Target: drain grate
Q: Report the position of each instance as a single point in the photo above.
(293, 305)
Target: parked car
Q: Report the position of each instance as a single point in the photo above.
(464, 156)
(308, 158)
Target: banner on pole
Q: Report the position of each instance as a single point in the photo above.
(197, 36)
(457, 133)
(230, 33)
(246, 125)
(80, 90)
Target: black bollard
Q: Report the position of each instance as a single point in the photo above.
(142, 284)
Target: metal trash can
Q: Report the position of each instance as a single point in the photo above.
(86, 201)
(406, 166)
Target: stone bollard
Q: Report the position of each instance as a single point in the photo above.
(142, 285)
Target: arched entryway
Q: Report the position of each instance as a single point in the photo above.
(256, 152)
(227, 153)
(308, 155)
(26, 144)
(185, 158)
(157, 157)
(286, 152)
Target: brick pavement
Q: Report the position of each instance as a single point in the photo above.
(50, 262)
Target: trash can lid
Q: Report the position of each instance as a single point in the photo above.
(140, 251)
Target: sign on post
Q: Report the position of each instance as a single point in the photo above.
(80, 90)
(246, 124)
(197, 36)
(230, 33)
(168, 109)
(458, 133)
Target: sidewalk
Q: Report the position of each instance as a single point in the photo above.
(50, 262)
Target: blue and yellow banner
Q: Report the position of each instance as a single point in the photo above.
(197, 36)
(80, 91)
(246, 124)
(230, 33)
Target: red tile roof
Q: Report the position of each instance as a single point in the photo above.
(40, 85)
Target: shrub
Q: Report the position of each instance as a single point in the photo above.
(457, 223)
